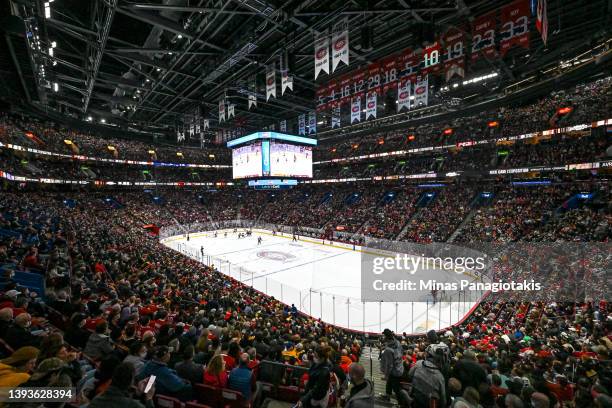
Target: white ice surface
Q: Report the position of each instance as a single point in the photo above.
(321, 280)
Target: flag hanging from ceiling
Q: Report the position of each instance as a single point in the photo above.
(231, 110)
(421, 91)
(179, 135)
(222, 110)
(252, 101)
(271, 82)
(403, 94)
(302, 124)
(371, 105)
(542, 20)
(454, 61)
(252, 92)
(356, 109)
(283, 126)
(335, 122)
(206, 124)
(515, 26)
(321, 54)
(286, 79)
(483, 36)
(312, 122)
(340, 43)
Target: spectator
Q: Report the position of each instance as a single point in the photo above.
(119, 393)
(241, 378)
(16, 369)
(427, 379)
(137, 356)
(167, 380)
(362, 392)
(76, 334)
(19, 333)
(187, 369)
(469, 372)
(391, 364)
(215, 374)
(316, 392)
(6, 317)
(98, 344)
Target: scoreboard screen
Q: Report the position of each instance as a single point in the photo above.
(246, 161)
(288, 160)
(271, 154)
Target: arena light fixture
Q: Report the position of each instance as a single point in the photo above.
(68, 142)
(102, 120)
(179, 154)
(55, 87)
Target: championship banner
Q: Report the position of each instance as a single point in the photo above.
(271, 82)
(230, 111)
(431, 59)
(222, 110)
(340, 43)
(356, 109)
(403, 94)
(253, 92)
(371, 105)
(206, 124)
(197, 128)
(542, 20)
(483, 36)
(421, 91)
(320, 94)
(283, 126)
(515, 26)
(408, 64)
(454, 55)
(321, 54)
(179, 135)
(286, 80)
(335, 121)
(302, 124)
(252, 101)
(388, 69)
(312, 122)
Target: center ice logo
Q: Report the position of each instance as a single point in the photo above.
(275, 256)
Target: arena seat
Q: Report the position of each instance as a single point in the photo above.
(233, 399)
(208, 395)
(163, 401)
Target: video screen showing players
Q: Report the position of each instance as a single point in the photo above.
(288, 160)
(246, 161)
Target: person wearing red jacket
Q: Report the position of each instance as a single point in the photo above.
(215, 374)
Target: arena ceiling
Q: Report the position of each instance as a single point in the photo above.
(148, 63)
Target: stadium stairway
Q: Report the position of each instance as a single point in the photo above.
(371, 363)
(463, 223)
(407, 225)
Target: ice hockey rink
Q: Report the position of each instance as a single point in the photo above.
(321, 278)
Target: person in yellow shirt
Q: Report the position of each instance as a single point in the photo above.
(16, 369)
